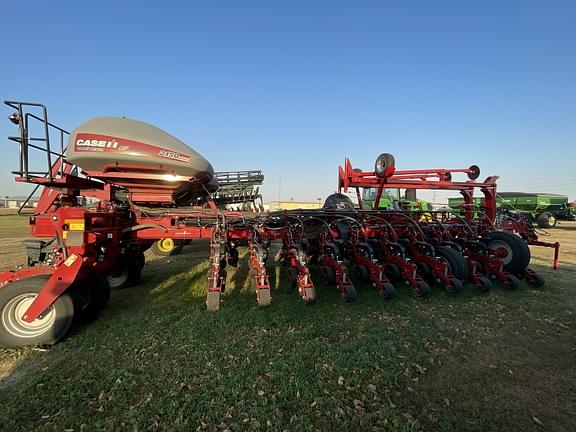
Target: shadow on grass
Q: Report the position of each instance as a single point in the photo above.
(474, 341)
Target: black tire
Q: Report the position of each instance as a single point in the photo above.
(483, 285)
(422, 289)
(393, 272)
(329, 275)
(90, 298)
(474, 172)
(455, 260)
(167, 247)
(388, 293)
(384, 165)
(518, 252)
(362, 273)
(141, 259)
(13, 299)
(534, 280)
(546, 220)
(454, 286)
(126, 274)
(338, 201)
(425, 272)
(510, 281)
(349, 294)
(293, 277)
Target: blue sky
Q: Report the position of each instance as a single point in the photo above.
(293, 87)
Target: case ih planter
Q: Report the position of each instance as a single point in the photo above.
(149, 188)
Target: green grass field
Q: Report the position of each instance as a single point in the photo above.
(155, 359)
(13, 226)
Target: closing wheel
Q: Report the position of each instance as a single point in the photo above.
(49, 328)
(310, 295)
(293, 277)
(384, 166)
(534, 279)
(393, 272)
(510, 281)
(349, 294)
(425, 272)
(127, 273)
(263, 296)
(453, 286)
(329, 275)
(388, 292)
(90, 297)
(483, 285)
(213, 301)
(422, 289)
(167, 246)
(362, 273)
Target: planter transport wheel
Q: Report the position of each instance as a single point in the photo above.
(49, 328)
(515, 252)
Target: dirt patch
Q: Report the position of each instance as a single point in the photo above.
(9, 372)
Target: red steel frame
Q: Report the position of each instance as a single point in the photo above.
(439, 179)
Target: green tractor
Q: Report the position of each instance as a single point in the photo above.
(542, 208)
(391, 199)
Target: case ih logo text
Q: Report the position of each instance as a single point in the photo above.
(96, 143)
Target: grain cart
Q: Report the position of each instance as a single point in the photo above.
(544, 209)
